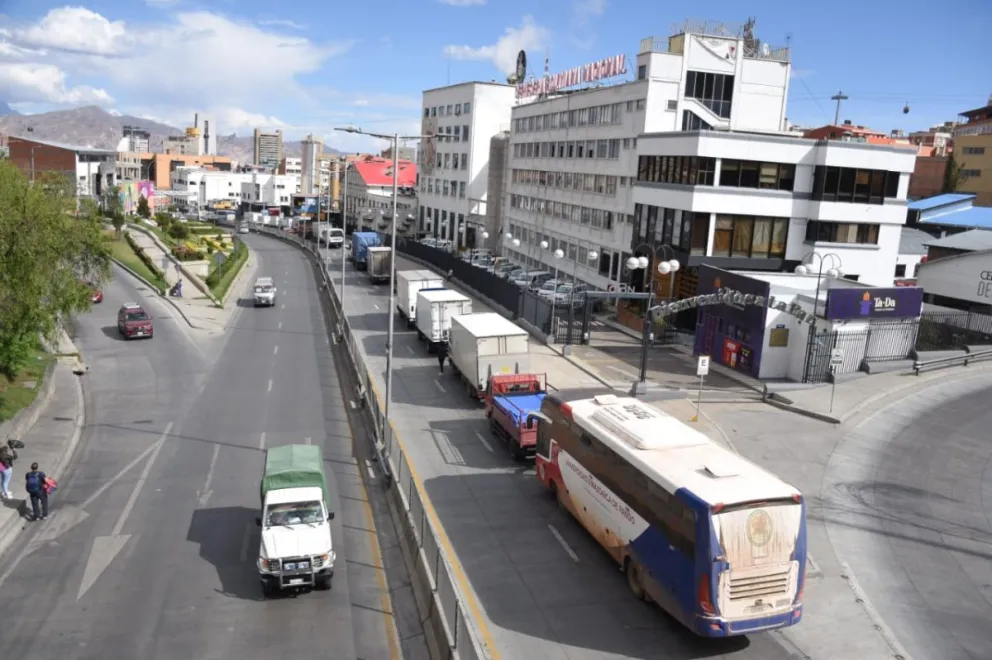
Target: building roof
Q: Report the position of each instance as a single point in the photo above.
(914, 241)
(937, 201)
(79, 149)
(379, 172)
(970, 241)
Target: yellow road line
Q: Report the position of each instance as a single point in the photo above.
(380, 575)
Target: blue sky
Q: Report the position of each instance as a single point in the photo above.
(310, 66)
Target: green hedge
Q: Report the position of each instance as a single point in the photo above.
(221, 277)
(145, 259)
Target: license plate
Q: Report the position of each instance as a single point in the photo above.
(139, 334)
(296, 581)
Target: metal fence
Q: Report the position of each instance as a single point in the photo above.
(941, 331)
(448, 618)
(880, 342)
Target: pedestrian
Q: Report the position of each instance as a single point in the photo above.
(442, 354)
(34, 484)
(7, 457)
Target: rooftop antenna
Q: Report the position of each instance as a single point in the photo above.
(838, 97)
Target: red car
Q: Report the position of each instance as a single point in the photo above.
(96, 296)
(133, 321)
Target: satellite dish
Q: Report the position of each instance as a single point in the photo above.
(521, 71)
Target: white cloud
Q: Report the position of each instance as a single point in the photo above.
(225, 118)
(463, 3)
(293, 25)
(26, 82)
(503, 53)
(584, 11)
(76, 30)
(355, 143)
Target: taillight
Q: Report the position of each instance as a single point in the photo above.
(802, 588)
(705, 601)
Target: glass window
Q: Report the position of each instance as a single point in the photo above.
(730, 172)
(762, 241)
(743, 233)
(700, 234)
(723, 236)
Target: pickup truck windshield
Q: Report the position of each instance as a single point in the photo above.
(294, 513)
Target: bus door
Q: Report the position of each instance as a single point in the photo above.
(546, 459)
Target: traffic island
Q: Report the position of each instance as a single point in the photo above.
(226, 272)
(133, 257)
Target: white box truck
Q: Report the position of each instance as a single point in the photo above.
(380, 259)
(484, 345)
(408, 283)
(435, 309)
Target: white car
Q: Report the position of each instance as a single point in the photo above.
(264, 292)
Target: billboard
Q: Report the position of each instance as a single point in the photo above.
(610, 67)
(871, 303)
(131, 191)
(304, 205)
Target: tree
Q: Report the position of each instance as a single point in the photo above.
(50, 256)
(143, 210)
(115, 208)
(952, 175)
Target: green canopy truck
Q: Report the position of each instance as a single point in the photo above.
(296, 550)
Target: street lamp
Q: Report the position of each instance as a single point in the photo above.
(669, 267)
(820, 260)
(395, 138)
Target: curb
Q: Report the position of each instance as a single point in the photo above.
(25, 419)
(159, 293)
(249, 266)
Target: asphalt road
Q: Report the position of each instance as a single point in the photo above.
(908, 503)
(150, 551)
(546, 588)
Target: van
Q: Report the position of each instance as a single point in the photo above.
(531, 279)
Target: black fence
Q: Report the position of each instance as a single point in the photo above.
(941, 331)
(880, 342)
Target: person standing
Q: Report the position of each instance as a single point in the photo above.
(442, 354)
(34, 484)
(7, 457)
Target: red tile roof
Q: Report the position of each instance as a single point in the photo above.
(379, 172)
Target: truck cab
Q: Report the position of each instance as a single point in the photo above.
(296, 551)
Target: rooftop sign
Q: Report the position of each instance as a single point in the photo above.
(580, 75)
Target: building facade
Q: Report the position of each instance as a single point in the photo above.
(370, 195)
(454, 166)
(94, 171)
(195, 188)
(268, 148)
(573, 158)
(310, 165)
(138, 140)
(752, 201)
(973, 154)
(128, 166)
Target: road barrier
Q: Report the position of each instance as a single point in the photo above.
(450, 612)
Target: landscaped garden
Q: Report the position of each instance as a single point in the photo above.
(192, 241)
(124, 250)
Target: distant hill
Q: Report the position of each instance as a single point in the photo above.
(93, 126)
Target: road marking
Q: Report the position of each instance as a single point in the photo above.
(116, 478)
(206, 492)
(410, 348)
(308, 440)
(270, 385)
(279, 327)
(245, 542)
(282, 306)
(141, 481)
(376, 306)
(565, 547)
(485, 442)
(440, 386)
(261, 440)
(275, 350)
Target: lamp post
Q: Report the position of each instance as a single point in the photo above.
(344, 232)
(558, 254)
(819, 260)
(664, 267)
(395, 138)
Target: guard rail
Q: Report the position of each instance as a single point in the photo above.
(919, 366)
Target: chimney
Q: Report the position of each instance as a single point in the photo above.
(196, 120)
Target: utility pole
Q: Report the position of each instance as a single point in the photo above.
(838, 97)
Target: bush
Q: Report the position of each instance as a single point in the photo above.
(179, 231)
(210, 249)
(217, 274)
(145, 259)
(187, 253)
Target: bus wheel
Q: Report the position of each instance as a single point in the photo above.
(633, 572)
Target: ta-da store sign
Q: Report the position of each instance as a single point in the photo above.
(611, 67)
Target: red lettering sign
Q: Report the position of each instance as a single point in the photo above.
(588, 73)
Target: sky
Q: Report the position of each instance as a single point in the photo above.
(308, 67)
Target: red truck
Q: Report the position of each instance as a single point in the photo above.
(509, 398)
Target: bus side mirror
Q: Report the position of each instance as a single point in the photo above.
(258, 522)
(330, 516)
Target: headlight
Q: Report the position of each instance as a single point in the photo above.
(268, 564)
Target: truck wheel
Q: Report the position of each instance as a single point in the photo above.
(267, 590)
(519, 453)
(324, 584)
(633, 572)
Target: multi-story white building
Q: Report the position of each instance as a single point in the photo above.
(370, 194)
(573, 157)
(454, 166)
(269, 189)
(194, 187)
(760, 201)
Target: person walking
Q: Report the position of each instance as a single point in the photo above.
(442, 354)
(34, 484)
(7, 457)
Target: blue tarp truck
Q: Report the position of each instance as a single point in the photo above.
(510, 399)
(361, 241)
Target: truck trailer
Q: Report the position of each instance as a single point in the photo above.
(435, 309)
(379, 262)
(361, 241)
(483, 345)
(510, 400)
(408, 284)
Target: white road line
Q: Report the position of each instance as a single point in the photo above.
(210, 471)
(275, 350)
(410, 348)
(270, 385)
(279, 327)
(245, 540)
(261, 440)
(440, 387)
(116, 478)
(376, 306)
(282, 306)
(485, 442)
(561, 540)
(141, 482)
(308, 440)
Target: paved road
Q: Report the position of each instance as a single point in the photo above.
(908, 502)
(543, 598)
(157, 561)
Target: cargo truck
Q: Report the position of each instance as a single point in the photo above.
(361, 241)
(435, 309)
(296, 550)
(408, 284)
(510, 401)
(379, 261)
(483, 345)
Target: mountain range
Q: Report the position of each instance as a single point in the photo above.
(93, 126)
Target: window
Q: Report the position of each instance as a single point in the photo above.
(642, 72)
(641, 104)
(713, 90)
(973, 151)
(845, 184)
(700, 232)
(467, 108)
(900, 270)
(841, 232)
(970, 174)
(753, 174)
(684, 170)
(741, 236)
(464, 161)
(692, 122)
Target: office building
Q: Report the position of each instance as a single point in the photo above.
(310, 165)
(370, 195)
(138, 140)
(93, 170)
(973, 154)
(454, 166)
(268, 148)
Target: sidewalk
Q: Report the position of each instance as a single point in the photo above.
(50, 442)
(198, 310)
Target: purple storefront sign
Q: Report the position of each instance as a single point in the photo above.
(731, 335)
(895, 303)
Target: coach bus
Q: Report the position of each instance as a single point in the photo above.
(713, 539)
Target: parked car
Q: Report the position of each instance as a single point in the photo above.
(547, 289)
(570, 293)
(134, 322)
